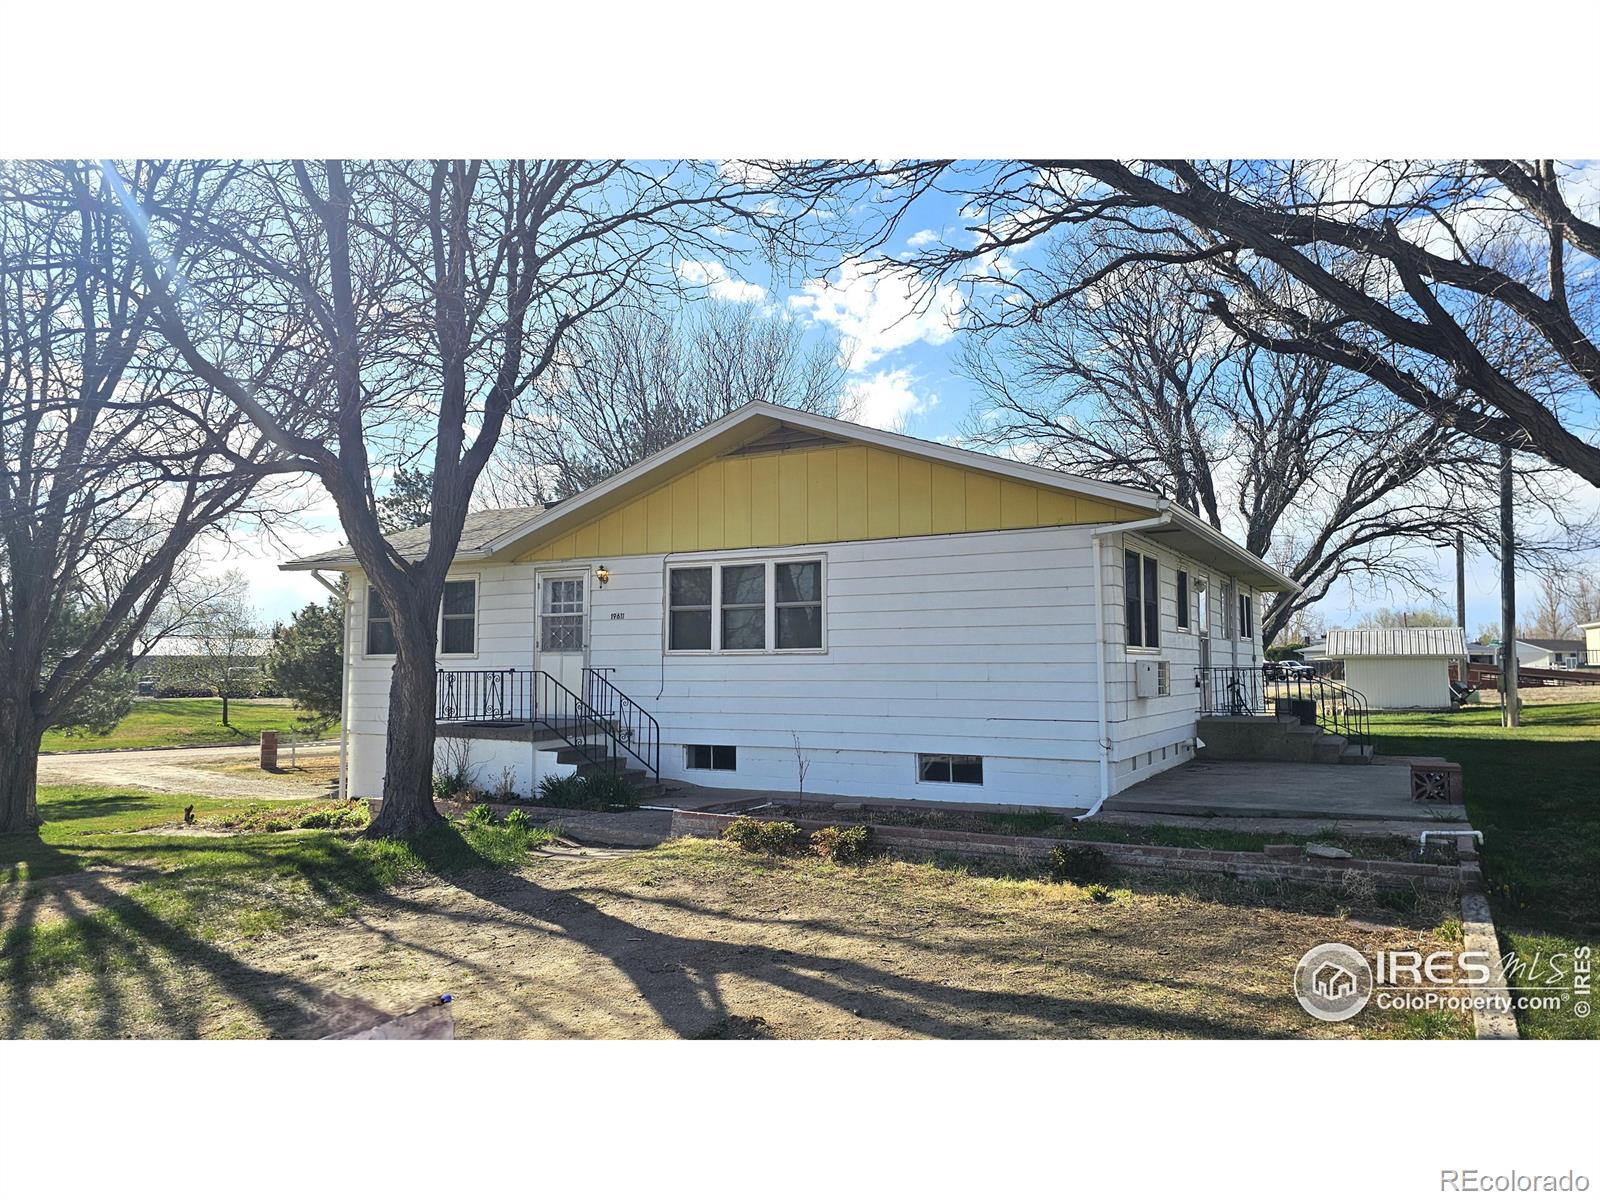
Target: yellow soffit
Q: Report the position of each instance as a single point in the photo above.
(814, 494)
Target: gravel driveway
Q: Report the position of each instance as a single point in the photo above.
(226, 771)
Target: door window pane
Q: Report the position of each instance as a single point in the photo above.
(561, 618)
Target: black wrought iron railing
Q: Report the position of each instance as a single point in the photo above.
(1317, 700)
(604, 734)
(631, 727)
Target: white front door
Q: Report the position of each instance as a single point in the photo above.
(563, 629)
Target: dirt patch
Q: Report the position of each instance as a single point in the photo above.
(696, 940)
(1566, 693)
(229, 773)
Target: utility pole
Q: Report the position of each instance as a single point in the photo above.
(1510, 715)
(1461, 602)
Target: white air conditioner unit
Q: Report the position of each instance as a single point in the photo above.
(1152, 678)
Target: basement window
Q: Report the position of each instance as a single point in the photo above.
(1141, 600)
(711, 758)
(950, 768)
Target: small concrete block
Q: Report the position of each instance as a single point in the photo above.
(1318, 850)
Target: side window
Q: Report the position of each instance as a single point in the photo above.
(1183, 599)
(380, 625)
(458, 617)
(1141, 598)
(799, 605)
(1247, 617)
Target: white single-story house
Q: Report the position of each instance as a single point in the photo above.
(912, 620)
(1545, 653)
(1399, 668)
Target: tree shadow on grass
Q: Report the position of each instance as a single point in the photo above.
(683, 979)
(149, 973)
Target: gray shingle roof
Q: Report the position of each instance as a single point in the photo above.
(1555, 644)
(480, 530)
(1441, 642)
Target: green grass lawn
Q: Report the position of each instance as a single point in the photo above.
(1534, 791)
(161, 723)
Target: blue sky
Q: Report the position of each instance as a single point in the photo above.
(903, 372)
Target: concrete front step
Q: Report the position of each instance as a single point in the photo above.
(1270, 739)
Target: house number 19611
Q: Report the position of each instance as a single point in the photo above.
(618, 616)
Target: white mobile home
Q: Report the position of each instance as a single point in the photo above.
(914, 621)
(1399, 668)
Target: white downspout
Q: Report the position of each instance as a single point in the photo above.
(1098, 547)
(1100, 674)
(344, 681)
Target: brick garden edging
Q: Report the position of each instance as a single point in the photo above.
(1035, 851)
(1243, 864)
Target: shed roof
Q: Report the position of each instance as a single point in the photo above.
(1448, 641)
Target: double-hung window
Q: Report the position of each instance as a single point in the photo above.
(380, 625)
(746, 607)
(458, 617)
(799, 605)
(1141, 599)
(689, 608)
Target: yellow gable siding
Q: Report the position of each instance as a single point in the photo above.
(833, 494)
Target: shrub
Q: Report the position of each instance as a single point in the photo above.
(611, 791)
(594, 792)
(481, 814)
(1077, 864)
(764, 837)
(563, 791)
(841, 845)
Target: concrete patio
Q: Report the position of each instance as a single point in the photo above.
(1375, 792)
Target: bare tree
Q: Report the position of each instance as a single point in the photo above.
(226, 634)
(1467, 289)
(115, 460)
(1309, 465)
(634, 381)
(395, 312)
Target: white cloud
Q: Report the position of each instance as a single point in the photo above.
(721, 285)
(923, 237)
(879, 307)
(886, 399)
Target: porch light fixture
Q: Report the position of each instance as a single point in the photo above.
(602, 576)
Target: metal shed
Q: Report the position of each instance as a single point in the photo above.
(1399, 668)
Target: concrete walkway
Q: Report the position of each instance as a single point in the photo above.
(1317, 791)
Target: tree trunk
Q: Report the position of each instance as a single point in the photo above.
(408, 808)
(20, 736)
